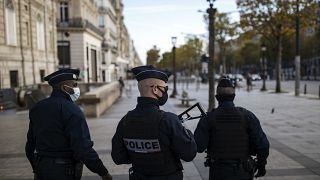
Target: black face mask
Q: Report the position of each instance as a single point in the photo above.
(163, 99)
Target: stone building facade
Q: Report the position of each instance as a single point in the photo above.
(27, 41)
(108, 23)
(38, 37)
(79, 38)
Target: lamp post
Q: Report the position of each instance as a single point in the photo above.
(264, 67)
(297, 58)
(174, 91)
(211, 13)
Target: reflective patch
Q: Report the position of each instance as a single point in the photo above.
(142, 145)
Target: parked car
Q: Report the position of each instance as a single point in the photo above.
(255, 77)
(217, 77)
(239, 77)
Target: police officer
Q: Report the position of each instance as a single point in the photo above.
(152, 140)
(58, 139)
(231, 135)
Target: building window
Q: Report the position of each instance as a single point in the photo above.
(14, 79)
(64, 11)
(42, 74)
(113, 3)
(11, 31)
(40, 33)
(27, 33)
(101, 21)
(103, 76)
(64, 53)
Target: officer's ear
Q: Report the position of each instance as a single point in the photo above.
(65, 88)
(154, 89)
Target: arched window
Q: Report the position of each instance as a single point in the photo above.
(10, 18)
(40, 33)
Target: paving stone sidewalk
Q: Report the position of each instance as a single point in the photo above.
(293, 130)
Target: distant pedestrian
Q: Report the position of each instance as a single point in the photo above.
(121, 85)
(249, 82)
(198, 81)
(231, 136)
(150, 139)
(59, 134)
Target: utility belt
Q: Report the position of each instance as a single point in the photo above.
(249, 164)
(72, 167)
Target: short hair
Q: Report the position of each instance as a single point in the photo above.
(145, 84)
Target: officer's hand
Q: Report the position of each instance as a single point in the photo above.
(261, 172)
(107, 177)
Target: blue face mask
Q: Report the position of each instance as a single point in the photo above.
(76, 93)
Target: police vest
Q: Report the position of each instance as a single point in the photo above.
(229, 138)
(149, 155)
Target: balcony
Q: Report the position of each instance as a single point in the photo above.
(79, 23)
(109, 46)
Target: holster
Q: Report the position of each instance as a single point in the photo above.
(133, 175)
(250, 166)
(74, 169)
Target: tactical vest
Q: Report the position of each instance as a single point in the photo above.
(229, 138)
(149, 156)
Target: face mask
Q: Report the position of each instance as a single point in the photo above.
(163, 99)
(76, 93)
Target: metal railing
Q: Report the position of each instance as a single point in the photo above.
(79, 23)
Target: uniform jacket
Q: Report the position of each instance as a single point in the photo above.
(173, 134)
(58, 128)
(259, 144)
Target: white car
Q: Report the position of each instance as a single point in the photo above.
(255, 77)
(239, 77)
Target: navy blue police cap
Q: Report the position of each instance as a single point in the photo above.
(225, 87)
(145, 72)
(62, 75)
(225, 82)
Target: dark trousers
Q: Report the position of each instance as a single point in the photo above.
(228, 171)
(175, 176)
(52, 169)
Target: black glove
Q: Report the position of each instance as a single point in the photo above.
(261, 171)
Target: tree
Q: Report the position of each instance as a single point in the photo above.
(274, 19)
(225, 32)
(166, 61)
(187, 56)
(250, 53)
(153, 56)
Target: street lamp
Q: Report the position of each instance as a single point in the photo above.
(297, 58)
(211, 13)
(174, 92)
(264, 66)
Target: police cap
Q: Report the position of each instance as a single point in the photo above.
(145, 72)
(225, 87)
(62, 75)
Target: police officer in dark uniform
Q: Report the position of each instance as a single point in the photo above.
(231, 136)
(152, 140)
(58, 139)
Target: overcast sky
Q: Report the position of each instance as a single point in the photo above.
(154, 22)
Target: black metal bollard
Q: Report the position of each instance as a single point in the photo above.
(305, 89)
(319, 91)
